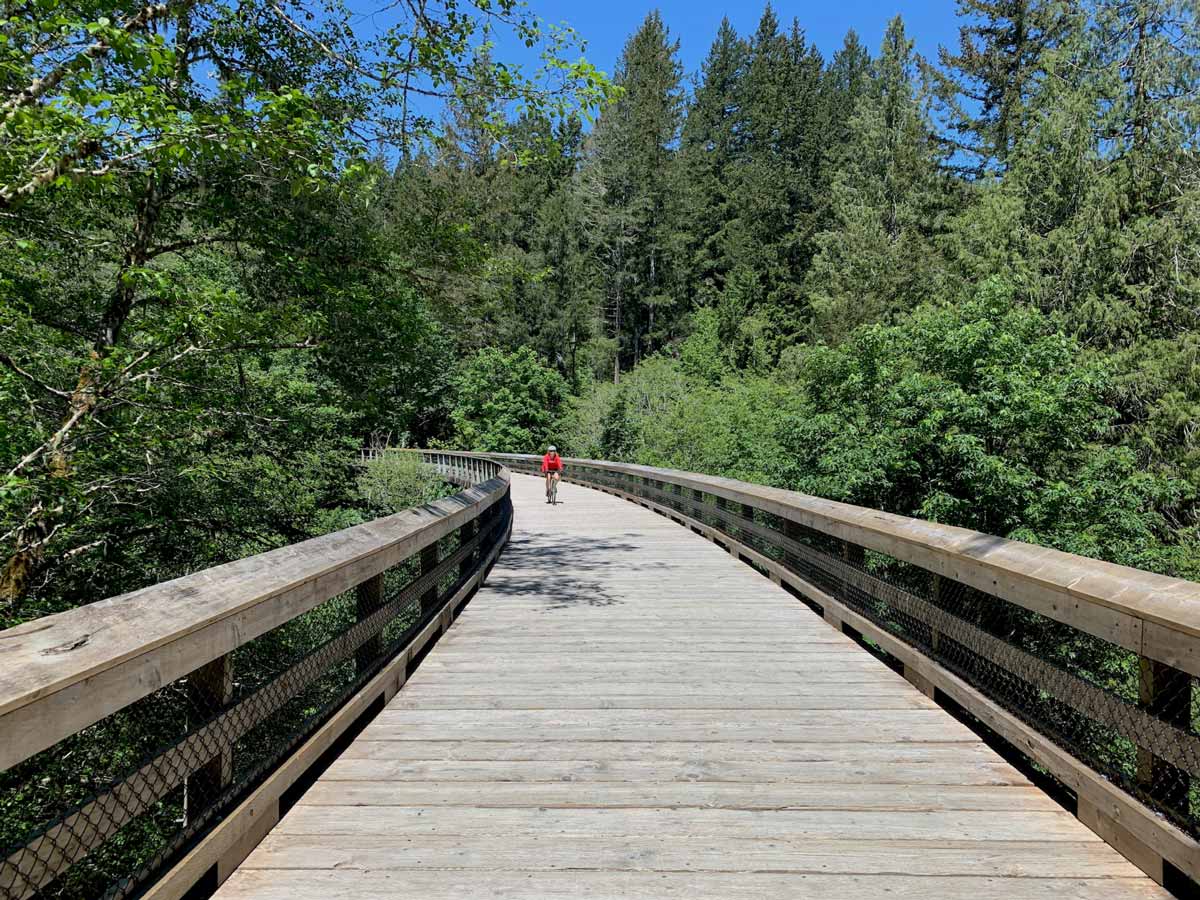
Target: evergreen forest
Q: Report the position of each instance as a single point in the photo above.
(240, 242)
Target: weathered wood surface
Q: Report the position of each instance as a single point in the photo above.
(625, 711)
(1152, 615)
(61, 673)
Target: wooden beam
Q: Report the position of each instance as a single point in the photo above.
(64, 672)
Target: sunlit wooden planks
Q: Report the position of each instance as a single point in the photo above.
(625, 711)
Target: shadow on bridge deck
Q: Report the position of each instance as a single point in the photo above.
(626, 711)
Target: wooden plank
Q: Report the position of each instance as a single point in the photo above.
(307, 884)
(926, 723)
(1113, 602)
(553, 744)
(678, 754)
(516, 698)
(863, 795)
(949, 770)
(539, 853)
(717, 824)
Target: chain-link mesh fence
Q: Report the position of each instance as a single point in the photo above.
(103, 812)
(1133, 719)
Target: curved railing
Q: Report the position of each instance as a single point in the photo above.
(1087, 668)
(151, 739)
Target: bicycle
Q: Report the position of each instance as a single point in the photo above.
(551, 489)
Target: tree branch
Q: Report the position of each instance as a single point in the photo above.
(32, 379)
(39, 87)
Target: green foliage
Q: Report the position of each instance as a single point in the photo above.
(205, 299)
(397, 481)
(506, 402)
(702, 356)
(982, 414)
(967, 292)
(878, 255)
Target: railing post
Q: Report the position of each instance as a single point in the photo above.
(368, 597)
(466, 534)
(429, 561)
(1166, 693)
(853, 555)
(793, 531)
(210, 690)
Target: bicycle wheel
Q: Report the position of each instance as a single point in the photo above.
(554, 492)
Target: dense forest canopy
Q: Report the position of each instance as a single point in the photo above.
(240, 240)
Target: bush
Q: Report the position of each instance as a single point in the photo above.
(398, 481)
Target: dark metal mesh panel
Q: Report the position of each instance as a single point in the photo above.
(1132, 719)
(102, 812)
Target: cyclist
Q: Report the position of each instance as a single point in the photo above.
(552, 466)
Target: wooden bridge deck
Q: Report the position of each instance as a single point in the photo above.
(626, 711)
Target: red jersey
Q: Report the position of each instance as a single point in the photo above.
(551, 463)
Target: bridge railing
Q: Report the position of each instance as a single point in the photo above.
(148, 741)
(1087, 668)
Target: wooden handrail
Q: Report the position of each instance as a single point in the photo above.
(1153, 615)
(816, 548)
(62, 673)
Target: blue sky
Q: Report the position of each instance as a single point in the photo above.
(607, 24)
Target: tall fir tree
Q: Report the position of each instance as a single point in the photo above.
(1097, 214)
(1148, 54)
(541, 263)
(630, 188)
(707, 151)
(806, 141)
(994, 73)
(846, 80)
(878, 257)
(774, 186)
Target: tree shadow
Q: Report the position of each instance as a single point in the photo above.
(548, 567)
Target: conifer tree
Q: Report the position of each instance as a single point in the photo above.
(1096, 215)
(995, 71)
(707, 152)
(878, 256)
(632, 197)
(1148, 54)
(846, 80)
(774, 190)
